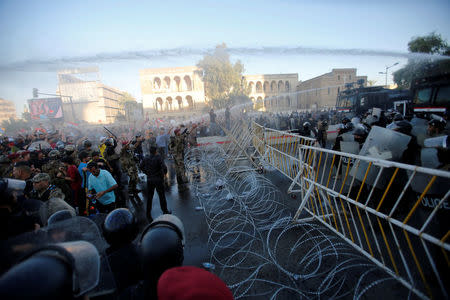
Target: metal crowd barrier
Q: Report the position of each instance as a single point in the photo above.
(397, 215)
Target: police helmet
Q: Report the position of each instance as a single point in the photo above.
(345, 120)
(120, 227)
(398, 117)
(361, 131)
(71, 270)
(162, 246)
(437, 123)
(59, 216)
(403, 127)
(60, 145)
(306, 124)
(87, 143)
(53, 154)
(69, 148)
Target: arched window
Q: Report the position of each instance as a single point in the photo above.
(188, 82)
(280, 86)
(177, 82)
(180, 102)
(273, 87)
(160, 102)
(259, 87)
(156, 83)
(167, 83)
(287, 86)
(169, 102)
(190, 102)
(266, 87)
(251, 87)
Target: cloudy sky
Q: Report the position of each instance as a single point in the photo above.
(121, 37)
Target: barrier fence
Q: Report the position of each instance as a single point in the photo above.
(397, 215)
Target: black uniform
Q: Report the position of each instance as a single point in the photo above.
(155, 169)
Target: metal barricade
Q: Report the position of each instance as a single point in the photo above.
(394, 214)
(389, 223)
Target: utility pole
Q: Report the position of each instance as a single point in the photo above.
(386, 72)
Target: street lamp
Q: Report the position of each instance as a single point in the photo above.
(386, 72)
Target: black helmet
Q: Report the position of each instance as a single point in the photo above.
(398, 117)
(403, 127)
(59, 216)
(162, 246)
(120, 227)
(437, 123)
(87, 143)
(361, 131)
(306, 124)
(345, 120)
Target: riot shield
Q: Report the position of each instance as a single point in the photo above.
(383, 144)
(419, 129)
(437, 142)
(350, 147)
(429, 159)
(70, 232)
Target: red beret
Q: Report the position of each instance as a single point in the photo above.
(176, 131)
(189, 283)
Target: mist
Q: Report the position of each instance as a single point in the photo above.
(54, 64)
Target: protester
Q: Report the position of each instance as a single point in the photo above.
(102, 184)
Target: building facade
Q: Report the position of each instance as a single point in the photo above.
(172, 91)
(88, 99)
(272, 92)
(7, 110)
(322, 91)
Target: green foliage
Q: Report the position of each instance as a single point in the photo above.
(224, 84)
(127, 98)
(416, 68)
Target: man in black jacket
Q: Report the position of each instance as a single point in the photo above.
(155, 169)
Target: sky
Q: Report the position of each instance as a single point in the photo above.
(38, 38)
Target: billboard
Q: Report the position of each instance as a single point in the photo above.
(45, 108)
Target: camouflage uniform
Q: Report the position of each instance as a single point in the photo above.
(129, 165)
(5, 167)
(52, 169)
(177, 146)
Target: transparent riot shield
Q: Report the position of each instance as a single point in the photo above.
(419, 129)
(383, 144)
(69, 232)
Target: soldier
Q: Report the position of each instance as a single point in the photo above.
(5, 165)
(53, 169)
(177, 147)
(72, 153)
(322, 127)
(128, 162)
(113, 160)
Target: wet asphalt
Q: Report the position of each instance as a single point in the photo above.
(182, 204)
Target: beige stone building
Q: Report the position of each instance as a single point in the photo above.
(322, 91)
(92, 101)
(7, 110)
(171, 91)
(272, 92)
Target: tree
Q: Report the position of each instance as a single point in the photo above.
(371, 82)
(224, 84)
(432, 43)
(126, 97)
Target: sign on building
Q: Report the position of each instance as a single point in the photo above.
(45, 108)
